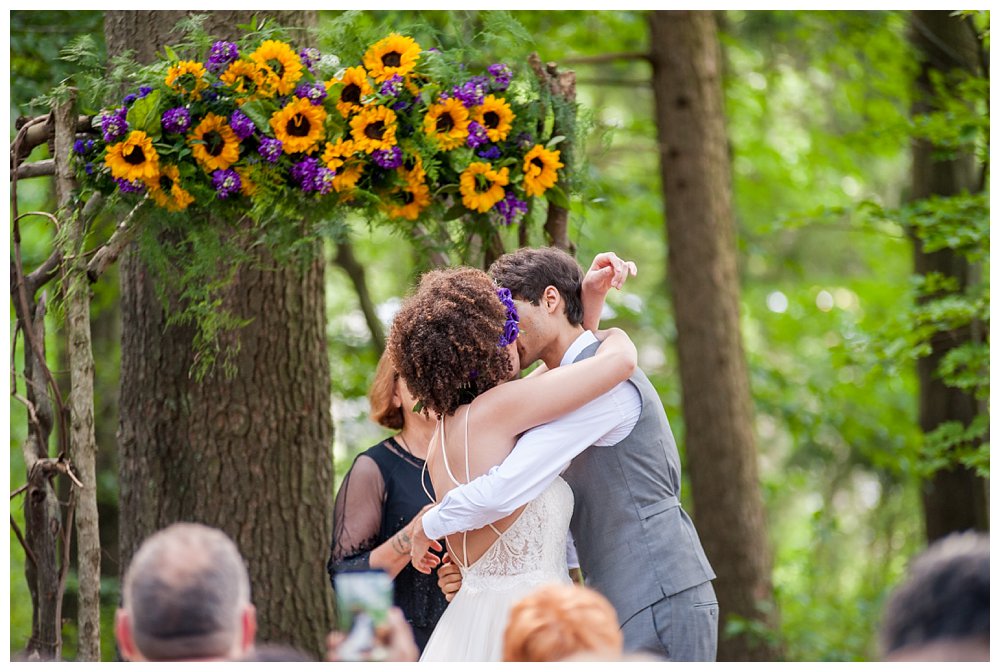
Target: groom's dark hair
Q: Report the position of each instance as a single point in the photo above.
(528, 271)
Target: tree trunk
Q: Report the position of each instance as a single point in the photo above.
(954, 499)
(702, 273)
(83, 444)
(250, 454)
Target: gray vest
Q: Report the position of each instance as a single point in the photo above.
(635, 542)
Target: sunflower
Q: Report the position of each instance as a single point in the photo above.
(214, 144)
(448, 123)
(392, 55)
(187, 77)
(408, 201)
(338, 158)
(482, 186)
(243, 77)
(412, 168)
(356, 86)
(299, 126)
(495, 116)
(167, 191)
(540, 166)
(247, 186)
(134, 158)
(374, 128)
(281, 65)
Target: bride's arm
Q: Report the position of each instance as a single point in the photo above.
(606, 271)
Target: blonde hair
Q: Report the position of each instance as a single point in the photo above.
(559, 621)
(380, 396)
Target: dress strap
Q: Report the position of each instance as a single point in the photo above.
(468, 472)
(444, 449)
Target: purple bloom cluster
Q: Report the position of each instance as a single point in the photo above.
(388, 158)
(113, 124)
(511, 208)
(242, 125)
(130, 186)
(221, 55)
(471, 93)
(312, 175)
(83, 146)
(176, 120)
(270, 149)
(89, 168)
(392, 86)
(226, 183)
(132, 97)
(501, 75)
(310, 56)
(477, 135)
(315, 92)
(524, 140)
(129, 99)
(145, 91)
(491, 152)
(510, 329)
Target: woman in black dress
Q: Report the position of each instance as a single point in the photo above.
(379, 497)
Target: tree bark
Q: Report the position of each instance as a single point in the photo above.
(83, 444)
(702, 274)
(251, 454)
(954, 499)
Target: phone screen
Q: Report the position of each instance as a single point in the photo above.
(363, 601)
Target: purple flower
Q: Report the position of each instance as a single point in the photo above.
(176, 120)
(130, 187)
(145, 91)
(472, 92)
(89, 168)
(525, 141)
(510, 329)
(226, 183)
(221, 55)
(323, 182)
(401, 105)
(113, 124)
(511, 208)
(310, 56)
(501, 75)
(83, 146)
(242, 125)
(477, 135)
(315, 92)
(392, 86)
(388, 158)
(491, 152)
(129, 99)
(311, 176)
(270, 149)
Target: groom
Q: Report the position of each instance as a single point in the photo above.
(636, 544)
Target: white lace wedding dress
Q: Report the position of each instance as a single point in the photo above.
(528, 554)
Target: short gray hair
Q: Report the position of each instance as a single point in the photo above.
(184, 593)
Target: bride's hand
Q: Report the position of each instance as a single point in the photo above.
(420, 551)
(449, 578)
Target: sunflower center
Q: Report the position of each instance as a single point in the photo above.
(135, 156)
(407, 197)
(491, 120)
(214, 142)
(166, 184)
(392, 59)
(444, 123)
(298, 126)
(277, 66)
(187, 81)
(483, 183)
(538, 162)
(375, 130)
(351, 94)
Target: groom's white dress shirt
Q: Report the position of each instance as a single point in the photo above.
(537, 458)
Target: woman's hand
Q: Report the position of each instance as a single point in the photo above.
(606, 271)
(449, 578)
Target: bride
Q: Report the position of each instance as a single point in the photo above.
(453, 342)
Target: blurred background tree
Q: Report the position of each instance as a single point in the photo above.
(820, 120)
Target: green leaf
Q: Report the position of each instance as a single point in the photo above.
(260, 113)
(144, 115)
(171, 54)
(454, 212)
(557, 196)
(554, 141)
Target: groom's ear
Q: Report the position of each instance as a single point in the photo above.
(551, 299)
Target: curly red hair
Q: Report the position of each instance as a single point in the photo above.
(559, 621)
(444, 339)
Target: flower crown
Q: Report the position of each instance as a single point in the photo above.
(510, 328)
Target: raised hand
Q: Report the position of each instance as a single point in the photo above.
(449, 578)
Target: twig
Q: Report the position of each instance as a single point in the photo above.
(109, 253)
(19, 491)
(20, 537)
(32, 415)
(36, 169)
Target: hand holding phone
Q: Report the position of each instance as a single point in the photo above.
(363, 602)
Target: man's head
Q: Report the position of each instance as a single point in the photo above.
(545, 283)
(944, 603)
(186, 597)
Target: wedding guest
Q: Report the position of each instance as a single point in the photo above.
(186, 597)
(561, 621)
(379, 497)
(941, 611)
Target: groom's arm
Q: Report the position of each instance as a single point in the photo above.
(537, 458)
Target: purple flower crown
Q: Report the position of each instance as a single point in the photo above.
(510, 329)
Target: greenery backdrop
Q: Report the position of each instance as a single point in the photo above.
(817, 110)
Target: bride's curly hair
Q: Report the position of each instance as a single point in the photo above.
(444, 339)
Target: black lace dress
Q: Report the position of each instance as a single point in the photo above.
(381, 494)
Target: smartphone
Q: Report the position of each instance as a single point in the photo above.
(363, 601)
